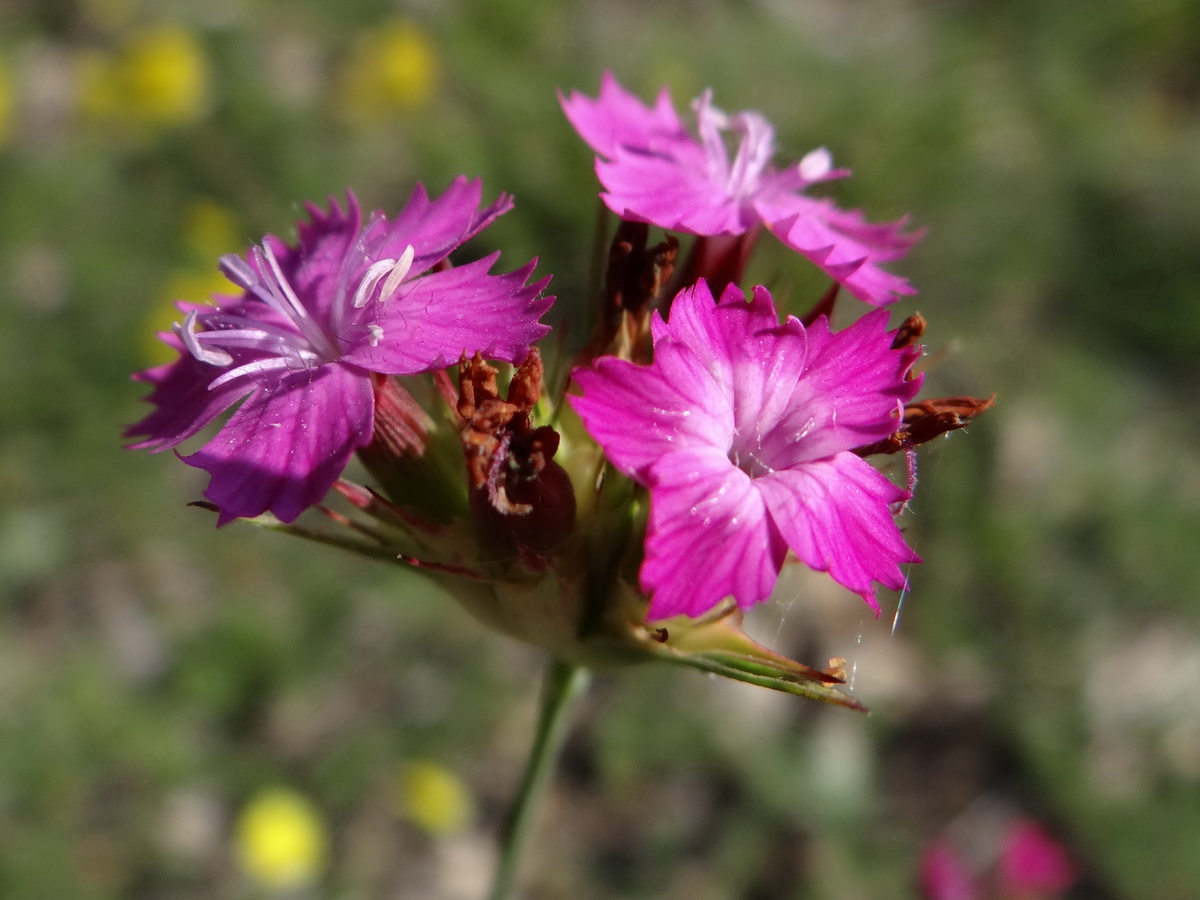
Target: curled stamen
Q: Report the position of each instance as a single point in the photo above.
(280, 285)
(186, 331)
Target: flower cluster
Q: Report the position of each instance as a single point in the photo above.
(634, 507)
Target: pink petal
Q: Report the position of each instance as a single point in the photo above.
(314, 266)
(753, 359)
(617, 118)
(674, 193)
(842, 243)
(708, 537)
(851, 393)
(835, 515)
(184, 404)
(1034, 864)
(288, 443)
(435, 227)
(639, 414)
(447, 313)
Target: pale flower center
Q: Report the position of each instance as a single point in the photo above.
(743, 177)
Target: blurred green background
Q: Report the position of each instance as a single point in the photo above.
(156, 675)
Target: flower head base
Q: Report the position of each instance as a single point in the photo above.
(743, 430)
(298, 346)
(654, 170)
(521, 498)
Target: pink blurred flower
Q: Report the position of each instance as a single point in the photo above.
(742, 429)
(943, 875)
(655, 170)
(297, 348)
(1032, 865)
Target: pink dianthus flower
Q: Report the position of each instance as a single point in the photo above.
(743, 429)
(655, 170)
(298, 346)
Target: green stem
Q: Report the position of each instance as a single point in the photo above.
(565, 682)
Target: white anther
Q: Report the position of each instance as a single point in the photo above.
(399, 272)
(816, 164)
(367, 285)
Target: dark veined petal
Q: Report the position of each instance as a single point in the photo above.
(434, 228)
(183, 403)
(440, 316)
(287, 443)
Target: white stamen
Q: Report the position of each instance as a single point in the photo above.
(238, 271)
(816, 164)
(187, 333)
(298, 314)
(280, 286)
(376, 335)
(262, 365)
(253, 338)
(367, 285)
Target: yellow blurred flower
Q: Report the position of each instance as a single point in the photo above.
(392, 68)
(210, 230)
(165, 76)
(159, 77)
(281, 840)
(433, 798)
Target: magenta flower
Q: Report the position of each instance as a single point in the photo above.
(654, 170)
(298, 346)
(742, 429)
